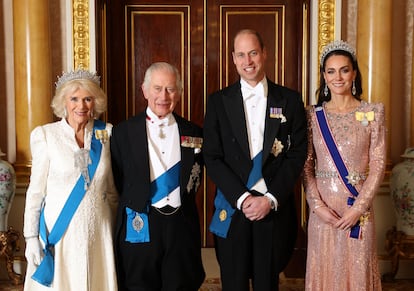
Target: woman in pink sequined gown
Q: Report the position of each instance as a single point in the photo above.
(336, 261)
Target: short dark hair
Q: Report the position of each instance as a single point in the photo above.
(250, 31)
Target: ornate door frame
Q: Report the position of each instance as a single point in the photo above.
(325, 23)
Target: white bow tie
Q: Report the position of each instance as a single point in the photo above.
(248, 91)
(160, 122)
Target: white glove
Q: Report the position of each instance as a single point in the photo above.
(34, 251)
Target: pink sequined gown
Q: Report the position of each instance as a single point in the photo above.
(334, 260)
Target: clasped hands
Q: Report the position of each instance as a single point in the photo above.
(256, 207)
(34, 251)
(346, 222)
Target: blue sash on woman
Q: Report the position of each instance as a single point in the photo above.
(220, 222)
(45, 271)
(339, 163)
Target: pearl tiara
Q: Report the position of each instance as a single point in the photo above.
(337, 45)
(77, 75)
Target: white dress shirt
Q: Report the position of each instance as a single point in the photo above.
(255, 102)
(164, 152)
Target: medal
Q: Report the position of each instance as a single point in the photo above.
(364, 122)
(364, 219)
(137, 223)
(223, 215)
(365, 117)
(353, 178)
(191, 142)
(161, 133)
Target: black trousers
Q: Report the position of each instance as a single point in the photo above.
(171, 261)
(246, 255)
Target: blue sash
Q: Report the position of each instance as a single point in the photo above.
(137, 226)
(221, 220)
(166, 183)
(339, 163)
(45, 271)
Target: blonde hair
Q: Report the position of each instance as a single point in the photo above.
(58, 101)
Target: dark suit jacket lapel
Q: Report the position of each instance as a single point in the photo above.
(233, 104)
(187, 154)
(274, 99)
(137, 136)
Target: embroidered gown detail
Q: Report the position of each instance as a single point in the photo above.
(84, 259)
(334, 260)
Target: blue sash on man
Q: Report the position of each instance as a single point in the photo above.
(137, 223)
(221, 220)
(45, 271)
(165, 183)
(339, 163)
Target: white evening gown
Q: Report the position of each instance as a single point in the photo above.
(84, 258)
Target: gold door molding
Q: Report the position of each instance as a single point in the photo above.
(325, 26)
(81, 34)
(326, 23)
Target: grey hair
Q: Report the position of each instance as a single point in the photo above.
(162, 66)
(70, 87)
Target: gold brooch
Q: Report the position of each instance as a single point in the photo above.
(364, 219)
(365, 117)
(277, 147)
(102, 135)
(223, 215)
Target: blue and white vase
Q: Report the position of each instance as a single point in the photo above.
(7, 190)
(402, 192)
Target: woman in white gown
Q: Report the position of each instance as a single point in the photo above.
(71, 158)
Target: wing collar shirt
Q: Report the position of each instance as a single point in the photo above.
(255, 102)
(164, 151)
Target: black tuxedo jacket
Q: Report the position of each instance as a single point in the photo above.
(228, 162)
(131, 168)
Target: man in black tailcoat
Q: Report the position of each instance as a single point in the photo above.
(157, 166)
(254, 150)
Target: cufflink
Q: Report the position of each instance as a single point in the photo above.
(272, 203)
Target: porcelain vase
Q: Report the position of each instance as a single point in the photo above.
(402, 192)
(7, 191)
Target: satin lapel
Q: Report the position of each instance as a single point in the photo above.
(137, 135)
(233, 104)
(272, 125)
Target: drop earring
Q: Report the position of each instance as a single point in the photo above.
(65, 112)
(353, 91)
(325, 90)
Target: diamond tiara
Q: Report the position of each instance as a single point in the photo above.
(337, 45)
(77, 75)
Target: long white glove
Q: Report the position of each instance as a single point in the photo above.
(34, 251)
